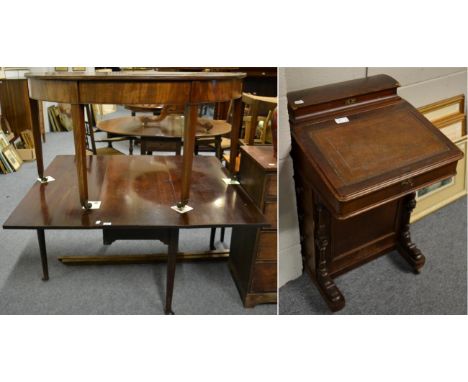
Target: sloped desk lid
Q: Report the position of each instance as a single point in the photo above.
(375, 149)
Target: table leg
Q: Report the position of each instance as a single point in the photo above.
(250, 137)
(42, 248)
(218, 148)
(36, 129)
(173, 248)
(80, 153)
(130, 148)
(190, 114)
(235, 131)
(212, 238)
(223, 231)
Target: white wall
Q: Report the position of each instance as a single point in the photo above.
(419, 86)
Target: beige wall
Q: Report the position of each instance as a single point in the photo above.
(419, 86)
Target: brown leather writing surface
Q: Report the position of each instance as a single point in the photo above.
(375, 143)
(392, 145)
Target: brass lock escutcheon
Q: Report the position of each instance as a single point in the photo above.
(350, 101)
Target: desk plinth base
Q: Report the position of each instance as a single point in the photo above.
(341, 245)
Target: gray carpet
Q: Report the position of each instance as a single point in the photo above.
(387, 286)
(200, 288)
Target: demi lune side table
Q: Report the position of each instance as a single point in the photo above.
(190, 89)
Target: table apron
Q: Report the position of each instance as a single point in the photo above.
(135, 92)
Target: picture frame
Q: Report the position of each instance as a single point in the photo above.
(3, 140)
(446, 193)
(448, 107)
(448, 116)
(454, 127)
(16, 154)
(12, 158)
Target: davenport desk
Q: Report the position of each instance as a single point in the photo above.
(360, 152)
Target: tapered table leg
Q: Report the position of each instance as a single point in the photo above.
(235, 131)
(212, 238)
(190, 116)
(80, 153)
(36, 129)
(42, 248)
(171, 267)
(223, 231)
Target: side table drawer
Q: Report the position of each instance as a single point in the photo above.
(267, 246)
(264, 277)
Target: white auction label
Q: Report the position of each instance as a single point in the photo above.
(341, 120)
(298, 102)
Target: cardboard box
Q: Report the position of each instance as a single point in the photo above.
(27, 154)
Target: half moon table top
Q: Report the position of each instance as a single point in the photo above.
(170, 127)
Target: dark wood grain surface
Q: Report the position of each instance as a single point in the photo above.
(255, 272)
(263, 155)
(145, 75)
(171, 126)
(14, 105)
(135, 191)
(348, 89)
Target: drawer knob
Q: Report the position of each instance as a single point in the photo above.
(407, 183)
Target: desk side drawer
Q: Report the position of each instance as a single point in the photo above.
(267, 249)
(269, 210)
(271, 189)
(264, 277)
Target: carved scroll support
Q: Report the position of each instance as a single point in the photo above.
(325, 283)
(405, 246)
